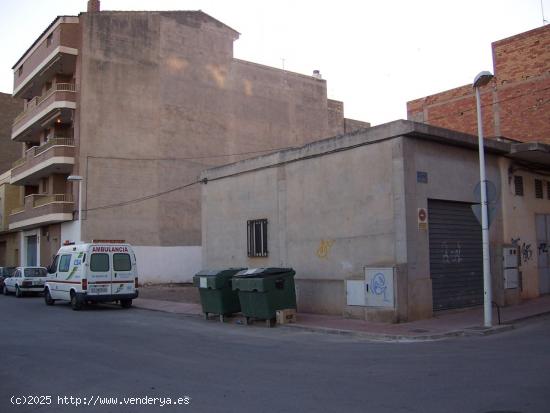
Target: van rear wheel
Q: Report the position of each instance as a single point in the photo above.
(76, 304)
(126, 303)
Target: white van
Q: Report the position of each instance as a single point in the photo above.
(100, 271)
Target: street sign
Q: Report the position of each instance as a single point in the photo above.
(422, 218)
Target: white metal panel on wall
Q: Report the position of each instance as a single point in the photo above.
(380, 287)
(355, 292)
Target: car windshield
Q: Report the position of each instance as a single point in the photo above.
(35, 272)
(7, 271)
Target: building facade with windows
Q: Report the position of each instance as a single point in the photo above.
(381, 224)
(138, 103)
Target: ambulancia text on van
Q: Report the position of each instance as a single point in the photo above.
(100, 271)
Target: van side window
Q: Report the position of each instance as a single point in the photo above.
(121, 262)
(64, 263)
(99, 262)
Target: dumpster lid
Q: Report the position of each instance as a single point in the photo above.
(214, 272)
(263, 272)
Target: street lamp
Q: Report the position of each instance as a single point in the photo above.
(482, 79)
(78, 178)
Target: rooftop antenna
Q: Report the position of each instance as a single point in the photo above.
(544, 21)
(283, 60)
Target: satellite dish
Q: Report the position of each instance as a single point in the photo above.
(492, 192)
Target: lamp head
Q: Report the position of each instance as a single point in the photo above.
(482, 79)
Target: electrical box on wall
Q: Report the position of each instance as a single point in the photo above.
(355, 292)
(510, 263)
(379, 287)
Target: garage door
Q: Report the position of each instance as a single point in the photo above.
(456, 256)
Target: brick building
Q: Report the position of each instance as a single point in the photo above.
(138, 103)
(516, 102)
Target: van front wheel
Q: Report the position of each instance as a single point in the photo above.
(48, 298)
(126, 303)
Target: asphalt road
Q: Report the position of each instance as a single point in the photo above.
(110, 352)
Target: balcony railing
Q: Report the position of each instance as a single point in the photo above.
(37, 150)
(36, 101)
(42, 209)
(38, 200)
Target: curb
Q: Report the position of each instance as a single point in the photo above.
(377, 336)
(474, 331)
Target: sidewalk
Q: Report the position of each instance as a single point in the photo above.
(459, 323)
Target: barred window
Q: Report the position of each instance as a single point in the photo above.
(257, 237)
(538, 189)
(518, 185)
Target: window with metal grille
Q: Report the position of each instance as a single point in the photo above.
(518, 185)
(538, 189)
(257, 237)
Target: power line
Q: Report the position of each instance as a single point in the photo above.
(143, 198)
(190, 158)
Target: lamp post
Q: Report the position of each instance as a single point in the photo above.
(78, 178)
(482, 79)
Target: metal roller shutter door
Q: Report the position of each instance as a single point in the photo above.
(456, 256)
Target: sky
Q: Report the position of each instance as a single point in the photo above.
(375, 55)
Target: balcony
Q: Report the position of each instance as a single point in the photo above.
(53, 53)
(42, 209)
(54, 157)
(57, 104)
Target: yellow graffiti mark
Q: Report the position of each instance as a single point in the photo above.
(324, 248)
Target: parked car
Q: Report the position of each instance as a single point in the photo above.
(26, 280)
(4, 273)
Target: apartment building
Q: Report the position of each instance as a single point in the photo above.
(515, 102)
(138, 103)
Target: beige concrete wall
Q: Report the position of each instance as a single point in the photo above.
(9, 249)
(519, 215)
(453, 173)
(162, 91)
(50, 242)
(337, 206)
(328, 218)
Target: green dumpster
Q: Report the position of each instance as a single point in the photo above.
(263, 291)
(215, 291)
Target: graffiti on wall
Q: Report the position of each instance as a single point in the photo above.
(525, 251)
(452, 255)
(324, 248)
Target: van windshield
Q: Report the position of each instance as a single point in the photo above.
(35, 272)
